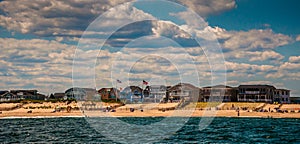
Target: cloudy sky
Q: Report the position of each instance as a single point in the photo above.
(44, 43)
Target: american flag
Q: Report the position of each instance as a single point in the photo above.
(119, 81)
(145, 82)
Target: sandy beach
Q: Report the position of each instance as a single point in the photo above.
(47, 109)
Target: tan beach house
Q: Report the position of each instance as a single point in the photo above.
(155, 93)
(184, 91)
(81, 93)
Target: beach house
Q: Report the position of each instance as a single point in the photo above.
(28, 94)
(155, 93)
(184, 91)
(109, 93)
(81, 93)
(256, 93)
(132, 94)
(282, 96)
(91, 94)
(8, 96)
(219, 93)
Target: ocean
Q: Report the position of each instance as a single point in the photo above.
(83, 130)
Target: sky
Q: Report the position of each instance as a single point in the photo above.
(54, 45)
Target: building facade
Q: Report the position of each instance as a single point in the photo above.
(219, 93)
(8, 96)
(155, 93)
(282, 96)
(109, 93)
(132, 94)
(184, 91)
(256, 93)
(81, 93)
(28, 94)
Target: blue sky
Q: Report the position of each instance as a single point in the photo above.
(281, 17)
(260, 42)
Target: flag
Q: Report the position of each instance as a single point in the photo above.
(119, 81)
(145, 82)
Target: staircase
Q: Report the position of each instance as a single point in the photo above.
(182, 103)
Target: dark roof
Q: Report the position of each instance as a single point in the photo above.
(7, 92)
(3, 92)
(59, 94)
(75, 89)
(25, 92)
(218, 86)
(29, 91)
(135, 87)
(41, 95)
(256, 86)
(283, 89)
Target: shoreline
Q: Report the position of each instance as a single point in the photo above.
(59, 110)
(195, 114)
(49, 117)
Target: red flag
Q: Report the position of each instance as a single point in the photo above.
(119, 81)
(145, 82)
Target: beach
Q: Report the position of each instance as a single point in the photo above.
(47, 109)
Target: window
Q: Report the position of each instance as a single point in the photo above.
(248, 96)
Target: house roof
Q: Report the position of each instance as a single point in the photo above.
(41, 95)
(3, 92)
(24, 91)
(75, 89)
(132, 88)
(59, 94)
(256, 86)
(183, 85)
(104, 89)
(283, 90)
(218, 86)
(7, 92)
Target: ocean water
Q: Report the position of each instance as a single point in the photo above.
(221, 130)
